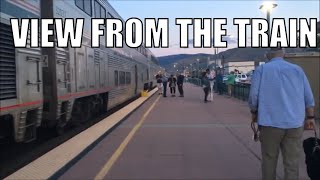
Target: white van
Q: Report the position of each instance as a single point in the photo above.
(241, 78)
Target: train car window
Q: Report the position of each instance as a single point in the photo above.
(96, 9)
(122, 78)
(128, 78)
(79, 3)
(145, 52)
(116, 79)
(103, 12)
(99, 10)
(85, 5)
(123, 33)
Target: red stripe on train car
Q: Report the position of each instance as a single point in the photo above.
(84, 93)
(26, 5)
(60, 97)
(21, 105)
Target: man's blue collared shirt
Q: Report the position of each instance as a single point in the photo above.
(281, 92)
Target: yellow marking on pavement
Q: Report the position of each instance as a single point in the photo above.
(106, 168)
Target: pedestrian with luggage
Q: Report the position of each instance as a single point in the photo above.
(281, 102)
(311, 147)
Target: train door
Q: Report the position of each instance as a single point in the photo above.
(30, 80)
(81, 69)
(135, 79)
(63, 71)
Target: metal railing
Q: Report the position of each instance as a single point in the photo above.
(195, 81)
(240, 90)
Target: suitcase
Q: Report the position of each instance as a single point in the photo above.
(311, 147)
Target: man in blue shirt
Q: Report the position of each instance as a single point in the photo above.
(280, 100)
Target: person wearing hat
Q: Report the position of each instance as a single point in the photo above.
(282, 104)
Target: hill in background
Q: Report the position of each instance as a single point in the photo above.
(230, 55)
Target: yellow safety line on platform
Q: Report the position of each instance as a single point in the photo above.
(104, 171)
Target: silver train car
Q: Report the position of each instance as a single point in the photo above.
(51, 86)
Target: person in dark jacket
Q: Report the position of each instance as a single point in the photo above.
(206, 86)
(172, 84)
(180, 80)
(219, 81)
(159, 84)
(164, 82)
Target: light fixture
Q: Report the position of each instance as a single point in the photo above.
(268, 6)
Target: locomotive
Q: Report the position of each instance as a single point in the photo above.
(51, 86)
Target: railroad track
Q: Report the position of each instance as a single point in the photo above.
(14, 156)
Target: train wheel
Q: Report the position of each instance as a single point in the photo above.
(61, 127)
(81, 112)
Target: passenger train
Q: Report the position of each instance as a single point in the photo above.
(50, 86)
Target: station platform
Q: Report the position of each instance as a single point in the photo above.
(162, 138)
(179, 138)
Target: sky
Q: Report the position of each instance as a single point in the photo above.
(209, 9)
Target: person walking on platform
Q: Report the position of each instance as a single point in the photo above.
(210, 76)
(180, 80)
(282, 104)
(219, 82)
(159, 83)
(164, 82)
(172, 84)
(230, 83)
(205, 85)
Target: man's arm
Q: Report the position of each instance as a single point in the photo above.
(308, 96)
(309, 104)
(254, 90)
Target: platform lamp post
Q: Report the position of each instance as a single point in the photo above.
(198, 68)
(215, 59)
(267, 7)
(175, 65)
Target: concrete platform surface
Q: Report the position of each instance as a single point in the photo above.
(180, 138)
(53, 162)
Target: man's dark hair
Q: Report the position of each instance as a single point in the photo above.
(204, 74)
